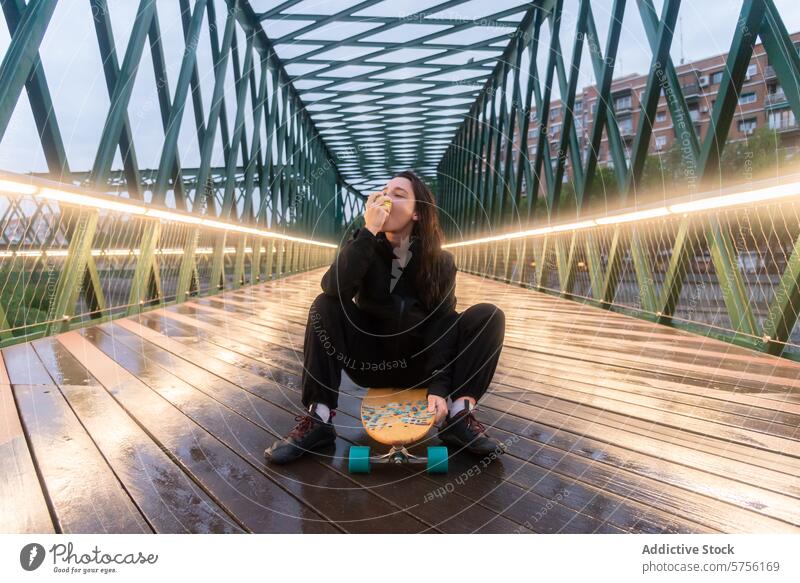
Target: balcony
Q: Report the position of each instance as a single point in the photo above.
(769, 72)
(691, 91)
(775, 99)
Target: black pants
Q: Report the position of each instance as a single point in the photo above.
(339, 336)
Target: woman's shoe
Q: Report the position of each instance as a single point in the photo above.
(310, 432)
(464, 431)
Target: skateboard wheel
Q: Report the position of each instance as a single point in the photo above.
(437, 459)
(358, 461)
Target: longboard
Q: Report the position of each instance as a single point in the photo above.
(396, 417)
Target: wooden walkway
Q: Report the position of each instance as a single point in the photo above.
(158, 424)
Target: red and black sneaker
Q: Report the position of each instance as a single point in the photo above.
(464, 431)
(311, 432)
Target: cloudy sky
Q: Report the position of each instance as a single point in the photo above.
(72, 65)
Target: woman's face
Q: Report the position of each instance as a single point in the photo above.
(401, 192)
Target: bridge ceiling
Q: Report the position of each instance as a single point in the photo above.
(387, 83)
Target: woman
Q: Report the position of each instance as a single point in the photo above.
(387, 317)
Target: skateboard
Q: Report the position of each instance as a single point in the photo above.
(396, 417)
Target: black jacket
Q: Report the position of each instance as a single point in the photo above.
(362, 272)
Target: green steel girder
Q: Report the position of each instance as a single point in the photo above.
(721, 248)
(309, 179)
(22, 55)
(105, 40)
(569, 139)
(785, 307)
(300, 180)
(742, 46)
(69, 283)
(652, 92)
(594, 264)
(603, 68)
(543, 114)
(730, 280)
(39, 98)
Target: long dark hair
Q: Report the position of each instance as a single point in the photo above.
(431, 281)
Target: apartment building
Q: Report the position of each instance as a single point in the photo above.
(762, 102)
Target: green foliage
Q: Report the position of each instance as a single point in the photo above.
(25, 298)
(759, 152)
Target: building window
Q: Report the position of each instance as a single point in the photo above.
(661, 116)
(578, 107)
(747, 98)
(626, 125)
(716, 78)
(661, 141)
(555, 128)
(622, 102)
(747, 126)
(554, 112)
(781, 120)
(751, 70)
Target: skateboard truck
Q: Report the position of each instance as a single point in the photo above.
(360, 460)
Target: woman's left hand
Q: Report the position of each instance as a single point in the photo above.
(438, 406)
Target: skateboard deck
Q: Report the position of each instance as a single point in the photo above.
(396, 416)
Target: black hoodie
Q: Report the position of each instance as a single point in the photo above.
(362, 272)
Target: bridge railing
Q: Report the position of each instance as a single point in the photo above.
(70, 258)
(726, 266)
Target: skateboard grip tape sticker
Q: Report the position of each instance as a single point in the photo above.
(396, 412)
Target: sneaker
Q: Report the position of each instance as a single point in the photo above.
(464, 431)
(310, 432)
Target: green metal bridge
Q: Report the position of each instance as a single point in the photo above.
(153, 289)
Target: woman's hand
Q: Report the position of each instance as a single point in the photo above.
(376, 214)
(438, 406)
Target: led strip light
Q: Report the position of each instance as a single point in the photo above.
(107, 203)
(766, 194)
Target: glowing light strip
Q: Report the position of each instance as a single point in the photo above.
(69, 197)
(120, 252)
(713, 202)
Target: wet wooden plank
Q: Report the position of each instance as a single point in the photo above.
(755, 408)
(256, 502)
(763, 412)
(773, 449)
(253, 343)
(539, 311)
(23, 507)
(240, 397)
(621, 512)
(23, 366)
(237, 328)
(85, 497)
(167, 497)
(609, 433)
(659, 416)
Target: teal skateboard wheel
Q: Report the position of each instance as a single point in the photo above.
(437, 459)
(358, 461)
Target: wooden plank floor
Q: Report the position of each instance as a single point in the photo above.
(158, 423)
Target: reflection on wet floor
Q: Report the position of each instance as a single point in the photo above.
(157, 423)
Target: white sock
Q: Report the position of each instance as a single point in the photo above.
(457, 405)
(322, 410)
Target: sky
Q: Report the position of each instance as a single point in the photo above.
(71, 62)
